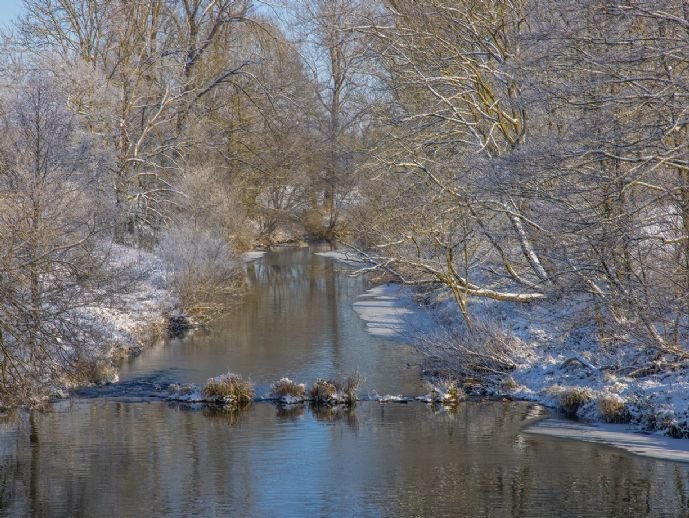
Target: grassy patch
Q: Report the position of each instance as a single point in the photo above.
(571, 399)
(228, 388)
(612, 409)
(323, 391)
(287, 387)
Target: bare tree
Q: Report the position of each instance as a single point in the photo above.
(150, 57)
(534, 152)
(454, 126)
(49, 266)
(339, 61)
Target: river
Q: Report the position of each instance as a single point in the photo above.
(116, 451)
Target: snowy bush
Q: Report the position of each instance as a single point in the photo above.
(571, 399)
(202, 267)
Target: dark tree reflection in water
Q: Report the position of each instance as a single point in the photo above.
(109, 458)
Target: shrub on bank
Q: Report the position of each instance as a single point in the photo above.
(91, 371)
(571, 399)
(201, 267)
(612, 409)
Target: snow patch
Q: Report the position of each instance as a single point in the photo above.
(619, 436)
(146, 298)
(343, 256)
(248, 257)
(391, 312)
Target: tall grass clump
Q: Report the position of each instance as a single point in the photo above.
(327, 392)
(612, 409)
(230, 389)
(572, 399)
(287, 390)
(447, 392)
(351, 386)
(323, 391)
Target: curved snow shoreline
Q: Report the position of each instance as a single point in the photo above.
(549, 362)
(620, 436)
(149, 302)
(390, 312)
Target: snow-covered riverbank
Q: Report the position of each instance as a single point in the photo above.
(557, 360)
(139, 306)
(139, 312)
(567, 367)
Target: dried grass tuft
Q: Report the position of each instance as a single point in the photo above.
(228, 388)
(350, 387)
(572, 399)
(612, 409)
(287, 387)
(323, 391)
(330, 392)
(447, 391)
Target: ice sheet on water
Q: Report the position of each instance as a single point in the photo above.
(391, 312)
(619, 436)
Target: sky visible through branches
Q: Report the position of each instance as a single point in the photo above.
(9, 10)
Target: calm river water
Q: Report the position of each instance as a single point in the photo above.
(118, 452)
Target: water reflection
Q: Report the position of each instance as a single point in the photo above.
(124, 459)
(127, 454)
(298, 321)
(338, 413)
(290, 412)
(227, 415)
